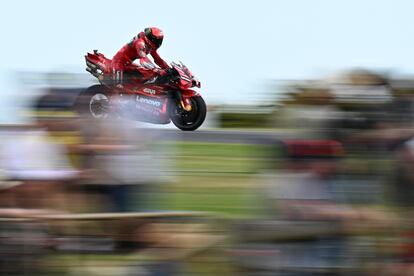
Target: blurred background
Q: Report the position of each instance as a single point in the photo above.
(304, 165)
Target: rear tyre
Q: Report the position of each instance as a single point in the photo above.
(94, 101)
(188, 120)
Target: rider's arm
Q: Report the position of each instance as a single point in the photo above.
(143, 59)
(159, 61)
(140, 47)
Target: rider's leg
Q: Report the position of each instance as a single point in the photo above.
(130, 75)
(132, 71)
(159, 76)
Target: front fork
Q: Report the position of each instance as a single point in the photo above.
(180, 101)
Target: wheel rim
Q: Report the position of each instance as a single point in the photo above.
(99, 106)
(187, 118)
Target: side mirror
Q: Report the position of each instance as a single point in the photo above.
(196, 83)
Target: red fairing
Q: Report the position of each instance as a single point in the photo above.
(99, 60)
(190, 93)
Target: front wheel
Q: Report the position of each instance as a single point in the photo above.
(188, 120)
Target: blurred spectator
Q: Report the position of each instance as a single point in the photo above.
(404, 175)
(307, 216)
(303, 191)
(312, 113)
(35, 170)
(30, 156)
(118, 162)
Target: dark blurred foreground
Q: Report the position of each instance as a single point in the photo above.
(326, 189)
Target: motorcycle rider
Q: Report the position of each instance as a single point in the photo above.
(144, 44)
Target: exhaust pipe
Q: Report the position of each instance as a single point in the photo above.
(93, 72)
(91, 65)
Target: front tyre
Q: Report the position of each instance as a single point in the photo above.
(188, 120)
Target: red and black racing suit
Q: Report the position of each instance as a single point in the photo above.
(123, 66)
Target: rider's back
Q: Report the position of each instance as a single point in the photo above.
(130, 51)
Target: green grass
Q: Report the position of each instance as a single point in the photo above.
(225, 195)
(220, 158)
(215, 177)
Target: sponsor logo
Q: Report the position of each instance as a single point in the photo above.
(147, 101)
(149, 91)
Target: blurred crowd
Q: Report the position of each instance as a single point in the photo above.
(335, 190)
(63, 164)
(340, 188)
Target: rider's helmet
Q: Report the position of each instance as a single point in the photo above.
(153, 37)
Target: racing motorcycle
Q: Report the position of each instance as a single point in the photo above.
(148, 101)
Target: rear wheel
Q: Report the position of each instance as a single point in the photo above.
(94, 101)
(188, 120)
